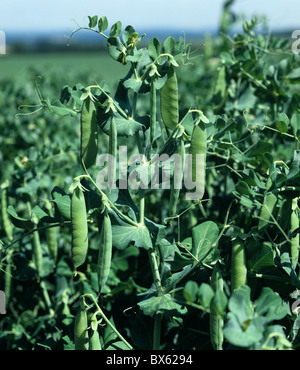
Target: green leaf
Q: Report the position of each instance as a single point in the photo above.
(240, 304)
(154, 48)
(123, 236)
(282, 123)
(190, 291)
(62, 201)
(163, 304)
(251, 178)
(59, 108)
(20, 222)
(133, 84)
(243, 188)
(284, 262)
(168, 45)
(115, 29)
(93, 21)
(42, 215)
(116, 49)
(260, 148)
(102, 24)
(294, 74)
(270, 305)
(205, 295)
(204, 236)
(295, 123)
(219, 302)
(129, 30)
(235, 334)
(125, 127)
(260, 256)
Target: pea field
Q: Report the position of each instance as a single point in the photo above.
(150, 194)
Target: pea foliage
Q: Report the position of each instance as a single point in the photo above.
(145, 267)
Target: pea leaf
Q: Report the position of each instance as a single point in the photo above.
(168, 45)
(259, 256)
(295, 123)
(123, 236)
(62, 201)
(282, 123)
(205, 295)
(20, 222)
(93, 21)
(59, 108)
(125, 127)
(102, 24)
(270, 305)
(154, 48)
(115, 29)
(116, 49)
(163, 304)
(204, 236)
(190, 291)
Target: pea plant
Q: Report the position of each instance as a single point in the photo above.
(179, 227)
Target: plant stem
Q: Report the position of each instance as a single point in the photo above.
(107, 320)
(157, 331)
(142, 208)
(156, 278)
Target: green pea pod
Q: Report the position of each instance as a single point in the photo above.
(81, 330)
(89, 133)
(51, 236)
(216, 321)
(8, 277)
(112, 149)
(113, 137)
(267, 208)
(105, 251)
(174, 193)
(152, 110)
(198, 151)
(37, 248)
(238, 265)
(37, 252)
(79, 228)
(94, 344)
(169, 101)
(294, 241)
(5, 219)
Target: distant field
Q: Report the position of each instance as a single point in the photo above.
(99, 66)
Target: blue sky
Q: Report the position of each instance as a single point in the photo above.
(39, 15)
